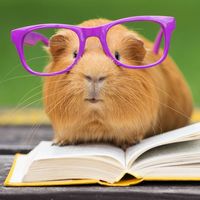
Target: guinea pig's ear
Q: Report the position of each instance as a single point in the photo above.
(57, 45)
(133, 49)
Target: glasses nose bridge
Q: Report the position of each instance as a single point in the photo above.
(92, 32)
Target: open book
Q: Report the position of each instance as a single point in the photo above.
(174, 155)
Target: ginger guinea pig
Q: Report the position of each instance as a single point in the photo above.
(98, 101)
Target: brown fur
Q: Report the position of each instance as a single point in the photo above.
(134, 103)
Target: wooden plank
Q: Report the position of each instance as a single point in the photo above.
(22, 139)
(147, 190)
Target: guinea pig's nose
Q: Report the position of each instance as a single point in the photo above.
(94, 85)
(96, 79)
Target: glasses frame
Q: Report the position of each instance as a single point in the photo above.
(167, 24)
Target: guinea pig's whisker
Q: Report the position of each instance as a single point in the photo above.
(60, 101)
(15, 77)
(140, 120)
(19, 109)
(10, 71)
(161, 90)
(36, 126)
(122, 99)
(22, 100)
(138, 29)
(71, 100)
(29, 92)
(28, 139)
(14, 68)
(36, 58)
(178, 112)
(55, 104)
(168, 95)
(12, 115)
(159, 124)
(136, 97)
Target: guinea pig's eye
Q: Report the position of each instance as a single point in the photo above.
(74, 54)
(117, 56)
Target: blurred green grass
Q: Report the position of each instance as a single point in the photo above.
(17, 87)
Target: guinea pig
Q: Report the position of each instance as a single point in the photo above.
(123, 106)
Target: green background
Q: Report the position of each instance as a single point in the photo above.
(19, 88)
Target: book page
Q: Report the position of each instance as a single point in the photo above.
(181, 153)
(190, 132)
(45, 150)
(175, 161)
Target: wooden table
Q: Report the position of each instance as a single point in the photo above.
(23, 138)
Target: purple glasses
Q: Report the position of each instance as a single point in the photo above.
(68, 42)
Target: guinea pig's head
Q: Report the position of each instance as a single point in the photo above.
(98, 100)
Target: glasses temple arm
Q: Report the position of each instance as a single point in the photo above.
(32, 38)
(157, 41)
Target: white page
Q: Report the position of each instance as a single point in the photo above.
(181, 134)
(170, 154)
(45, 150)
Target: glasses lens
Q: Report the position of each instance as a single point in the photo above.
(138, 43)
(50, 50)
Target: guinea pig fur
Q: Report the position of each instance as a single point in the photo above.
(100, 102)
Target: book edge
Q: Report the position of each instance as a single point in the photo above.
(64, 182)
(10, 173)
(129, 182)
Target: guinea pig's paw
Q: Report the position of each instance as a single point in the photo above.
(125, 145)
(60, 142)
(65, 142)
